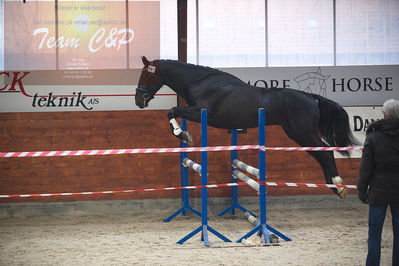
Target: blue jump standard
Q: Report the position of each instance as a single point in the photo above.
(261, 227)
(204, 228)
(185, 197)
(234, 190)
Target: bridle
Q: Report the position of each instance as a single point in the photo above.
(149, 91)
(147, 94)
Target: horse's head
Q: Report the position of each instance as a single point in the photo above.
(149, 83)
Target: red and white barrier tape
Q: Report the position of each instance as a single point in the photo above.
(273, 184)
(165, 150)
(123, 151)
(357, 148)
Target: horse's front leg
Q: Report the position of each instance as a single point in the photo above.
(189, 113)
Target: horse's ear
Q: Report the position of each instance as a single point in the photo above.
(145, 61)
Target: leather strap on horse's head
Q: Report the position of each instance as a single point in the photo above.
(146, 91)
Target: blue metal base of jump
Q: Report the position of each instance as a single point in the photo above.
(235, 205)
(278, 233)
(258, 228)
(204, 235)
(263, 230)
(182, 211)
(233, 208)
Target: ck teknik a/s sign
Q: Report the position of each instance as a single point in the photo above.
(18, 93)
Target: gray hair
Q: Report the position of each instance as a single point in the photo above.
(391, 109)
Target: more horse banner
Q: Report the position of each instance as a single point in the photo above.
(346, 85)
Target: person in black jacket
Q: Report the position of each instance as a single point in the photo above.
(378, 183)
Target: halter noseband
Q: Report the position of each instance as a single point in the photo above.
(145, 91)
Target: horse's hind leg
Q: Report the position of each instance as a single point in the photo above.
(327, 163)
(324, 158)
(190, 113)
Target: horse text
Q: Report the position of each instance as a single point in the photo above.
(365, 84)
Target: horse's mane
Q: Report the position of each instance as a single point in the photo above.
(192, 65)
(203, 71)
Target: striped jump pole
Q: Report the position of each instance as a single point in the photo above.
(204, 228)
(185, 197)
(247, 168)
(193, 165)
(252, 183)
(251, 219)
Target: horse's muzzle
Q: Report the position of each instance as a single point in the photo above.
(142, 99)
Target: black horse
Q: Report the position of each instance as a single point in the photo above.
(306, 118)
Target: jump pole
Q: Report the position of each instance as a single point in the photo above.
(185, 197)
(204, 227)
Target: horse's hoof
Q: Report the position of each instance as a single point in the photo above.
(341, 191)
(186, 138)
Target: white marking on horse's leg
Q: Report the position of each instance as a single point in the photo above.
(176, 128)
(337, 180)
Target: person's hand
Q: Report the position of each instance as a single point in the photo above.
(363, 197)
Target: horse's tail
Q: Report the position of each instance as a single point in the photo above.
(334, 124)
